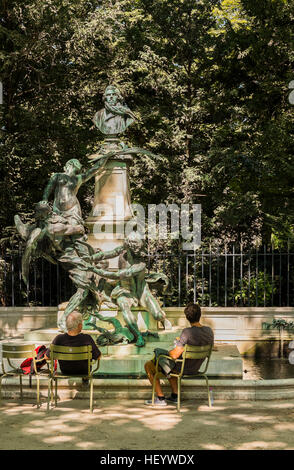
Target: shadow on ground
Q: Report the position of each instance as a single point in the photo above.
(130, 425)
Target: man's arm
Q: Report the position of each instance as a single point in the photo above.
(47, 354)
(96, 353)
(176, 352)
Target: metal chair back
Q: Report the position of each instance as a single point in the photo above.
(71, 353)
(197, 352)
(18, 351)
(12, 351)
(190, 352)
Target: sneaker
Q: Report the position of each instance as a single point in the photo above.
(172, 399)
(157, 402)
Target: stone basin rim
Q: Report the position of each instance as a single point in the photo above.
(140, 382)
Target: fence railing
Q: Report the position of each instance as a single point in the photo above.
(260, 277)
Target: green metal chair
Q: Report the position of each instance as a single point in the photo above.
(190, 352)
(68, 353)
(19, 351)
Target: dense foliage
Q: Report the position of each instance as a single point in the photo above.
(208, 78)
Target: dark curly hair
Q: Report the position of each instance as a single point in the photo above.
(193, 312)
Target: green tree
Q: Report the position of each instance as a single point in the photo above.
(208, 80)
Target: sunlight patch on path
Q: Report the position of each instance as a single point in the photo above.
(213, 447)
(260, 445)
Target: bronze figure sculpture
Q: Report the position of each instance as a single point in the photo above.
(132, 285)
(115, 117)
(58, 234)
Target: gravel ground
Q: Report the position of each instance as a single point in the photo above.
(130, 425)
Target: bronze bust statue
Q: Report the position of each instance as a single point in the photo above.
(115, 117)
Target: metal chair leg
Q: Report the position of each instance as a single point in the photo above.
(38, 391)
(179, 394)
(91, 394)
(20, 384)
(0, 390)
(52, 392)
(208, 394)
(55, 392)
(49, 395)
(2, 377)
(153, 388)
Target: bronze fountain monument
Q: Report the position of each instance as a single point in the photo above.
(105, 265)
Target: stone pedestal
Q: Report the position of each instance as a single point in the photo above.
(112, 203)
(128, 360)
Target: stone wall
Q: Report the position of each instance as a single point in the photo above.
(240, 325)
(15, 321)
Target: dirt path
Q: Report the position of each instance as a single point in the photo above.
(130, 425)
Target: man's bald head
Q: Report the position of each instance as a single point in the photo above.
(73, 320)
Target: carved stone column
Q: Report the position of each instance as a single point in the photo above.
(112, 203)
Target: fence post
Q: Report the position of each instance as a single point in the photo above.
(256, 277)
(210, 275)
(217, 276)
(280, 287)
(226, 276)
(42, 277)
(179, 280)
(234, 275)
(288, 272)
(194, 280)
(12, 281)
(273, 273)
(241, 273)
(264, 275)
(202, 275)
(249, 278)
(213, 288)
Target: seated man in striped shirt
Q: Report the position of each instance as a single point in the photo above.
(195, 335)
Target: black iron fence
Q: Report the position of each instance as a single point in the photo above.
(212, 277)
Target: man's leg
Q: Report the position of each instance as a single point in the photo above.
(150, 371)
(173, 381)
(173, 385)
